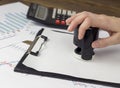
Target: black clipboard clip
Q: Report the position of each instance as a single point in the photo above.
(38, 35)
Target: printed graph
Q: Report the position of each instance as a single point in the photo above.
(3, 63)
(12, 57)
(13, 22)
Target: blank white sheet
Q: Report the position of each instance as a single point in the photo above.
(57, 56)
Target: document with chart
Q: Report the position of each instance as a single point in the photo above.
(14, 26)
(57, 56)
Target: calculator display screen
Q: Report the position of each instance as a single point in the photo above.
(41, 13)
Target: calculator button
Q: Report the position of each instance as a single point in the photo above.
(54, 13)
(63, 22)
(58, 16)
(73, 12)
(59, 11)
(64, 12)
(70, 13)
(57, 21)
(63, 17)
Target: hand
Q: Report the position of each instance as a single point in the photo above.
(87, 19)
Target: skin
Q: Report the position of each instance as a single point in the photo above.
(110, 24)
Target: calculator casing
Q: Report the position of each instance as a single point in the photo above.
(52, 17)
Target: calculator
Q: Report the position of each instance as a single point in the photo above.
(50, 16)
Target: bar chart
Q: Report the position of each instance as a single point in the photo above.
(13, 22)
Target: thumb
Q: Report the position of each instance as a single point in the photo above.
(100, 43)
(104, 42)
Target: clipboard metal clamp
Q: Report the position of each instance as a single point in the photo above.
(45, 38)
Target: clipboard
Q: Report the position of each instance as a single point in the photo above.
(22, 68)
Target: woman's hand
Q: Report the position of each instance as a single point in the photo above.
(87, 19)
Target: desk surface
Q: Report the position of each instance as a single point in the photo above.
(108, 7)
(6, 1)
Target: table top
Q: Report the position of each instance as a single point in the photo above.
(108, 7)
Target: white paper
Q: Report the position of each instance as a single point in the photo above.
(14, 26)
(11, 55)
(13, 17)
(58, 56)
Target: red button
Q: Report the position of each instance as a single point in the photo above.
(63, 22)
(57, 21)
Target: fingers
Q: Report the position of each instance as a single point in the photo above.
(100, 43)
(81, 19)
(86, 20)
(83, 27)
(104, 42)
(68, 21)
(75, 21)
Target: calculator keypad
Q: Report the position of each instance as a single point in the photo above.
(60, 15)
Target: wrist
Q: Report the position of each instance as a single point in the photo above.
(115, 22)
(104, 22)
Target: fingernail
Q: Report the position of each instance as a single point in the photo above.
(95, 45)
(69, 28)
(67, 23)
(79, 37)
